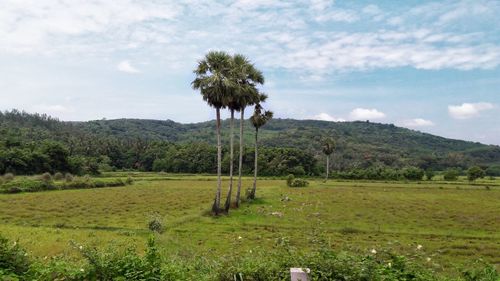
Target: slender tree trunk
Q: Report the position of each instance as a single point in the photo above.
(255, 169)
(216, 206)
(327, 166)
(240, 163)
(231, 165)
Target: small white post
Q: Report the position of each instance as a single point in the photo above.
(299, 274)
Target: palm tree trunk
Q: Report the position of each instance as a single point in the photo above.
(240, 163)
(254, 189)
(327, 166)
(231, 165)
(216, 206)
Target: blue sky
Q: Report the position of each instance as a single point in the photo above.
(432, 66)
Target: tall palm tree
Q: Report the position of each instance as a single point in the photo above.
(245, 78)
(258, 119)
(248, 79)
(213, 80)
(328, 146)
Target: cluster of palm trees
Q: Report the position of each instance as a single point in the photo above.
(231, 82)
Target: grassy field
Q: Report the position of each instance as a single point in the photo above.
(454, 223)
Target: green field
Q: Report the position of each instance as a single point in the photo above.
(455, 223)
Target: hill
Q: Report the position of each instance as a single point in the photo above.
(359, 144)
(287, 143)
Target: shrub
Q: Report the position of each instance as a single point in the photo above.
(68, 177)
(493, 171)
(429, 174)
(413, 173)
(46, 177)
(451, 174)
(129, 180)
(475, 173)
(8, 177)
(13, 259)
(58, 176)
(156, 224)
(291, 181)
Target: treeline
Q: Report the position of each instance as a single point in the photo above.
(34, 144)
(51, 156)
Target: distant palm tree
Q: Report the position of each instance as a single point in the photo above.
(328, 146)
(213, 80)
(258, 119)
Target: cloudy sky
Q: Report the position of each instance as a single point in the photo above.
(431, 66)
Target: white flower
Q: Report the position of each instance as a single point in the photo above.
(82, 270)
(239, 237)
(389, 264)
(250, 251)
(428, 259)
(374, 251)
(81, 247)
(419, 247)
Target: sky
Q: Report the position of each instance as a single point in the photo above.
(432, 66)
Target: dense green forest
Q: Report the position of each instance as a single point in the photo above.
(34, 143)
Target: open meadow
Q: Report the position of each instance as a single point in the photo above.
(444, 225)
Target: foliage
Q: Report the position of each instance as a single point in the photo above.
(475, 173)
(451, 174)
(156, 224)
(58, 176)
(291, 181)
(35, 144)
(429, 174)
(328, 146)
(46, 177)
(13, 259)
(325, 264)
(493, 171)
(44, 182)
(413, 173)
(8, 177)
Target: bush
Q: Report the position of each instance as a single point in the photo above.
(413, 173)
(451, 174)
(68, 177)
(156, 224)
(429, 174)
(291, 181)
(8, 177)
(475, 173)
(58, 176)
(129, 180)
(493, 171)
(46, 177)
(13, 259)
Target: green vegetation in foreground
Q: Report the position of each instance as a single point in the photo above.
(455, 223)
(128, 265)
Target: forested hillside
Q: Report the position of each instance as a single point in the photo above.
(32, 143)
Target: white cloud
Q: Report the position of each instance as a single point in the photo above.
(125, 66)
(417, 122)
(327, 117)
(366, 114)
(277, 35)
(468, 110)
